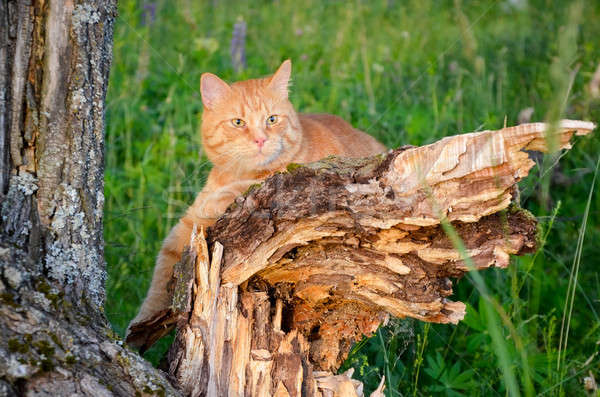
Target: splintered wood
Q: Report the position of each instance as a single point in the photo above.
(317, 257)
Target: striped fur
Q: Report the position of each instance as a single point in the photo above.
(245, 155)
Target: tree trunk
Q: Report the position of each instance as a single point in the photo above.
(271, 300)
(301, 267)
(54, 338)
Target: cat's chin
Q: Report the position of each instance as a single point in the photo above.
(267, 161)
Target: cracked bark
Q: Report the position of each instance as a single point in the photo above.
(287, 279)
(54, 338)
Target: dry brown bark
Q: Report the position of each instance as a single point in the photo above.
(302, 266)
(289, 277)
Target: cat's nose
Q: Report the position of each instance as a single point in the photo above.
(260, 141)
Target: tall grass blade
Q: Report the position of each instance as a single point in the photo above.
(568, 309)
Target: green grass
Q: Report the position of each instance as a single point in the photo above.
(407, 72)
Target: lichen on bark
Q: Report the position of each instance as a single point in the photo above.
(54, 337)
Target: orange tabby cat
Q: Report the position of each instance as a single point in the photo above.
(249, 131)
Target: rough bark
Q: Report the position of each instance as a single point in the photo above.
(54, 338)
(270, 302)
(299, 268)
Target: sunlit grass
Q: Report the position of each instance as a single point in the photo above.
(572, 286)
(407, 72)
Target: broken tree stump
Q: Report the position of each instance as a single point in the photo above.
(302, 266)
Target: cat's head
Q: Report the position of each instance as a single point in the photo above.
(249, 125)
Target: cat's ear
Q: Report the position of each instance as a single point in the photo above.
(213, 89)
(280, 81)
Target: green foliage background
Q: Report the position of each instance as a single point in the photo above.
(407, 72)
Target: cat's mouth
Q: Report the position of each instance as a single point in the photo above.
(273, 156)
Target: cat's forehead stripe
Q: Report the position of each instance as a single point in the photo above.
(252, 96)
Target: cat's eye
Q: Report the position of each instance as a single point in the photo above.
(238, 122)
(272, 119)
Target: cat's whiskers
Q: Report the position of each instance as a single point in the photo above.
(235, 163)
(229, 154)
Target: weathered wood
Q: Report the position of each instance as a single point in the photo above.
(271, 300)
(54, 337)
(314, 258)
